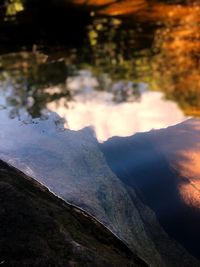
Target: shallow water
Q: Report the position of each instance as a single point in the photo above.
(134, 68)
(124, 182)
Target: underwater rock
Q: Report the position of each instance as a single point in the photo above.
(72, 166)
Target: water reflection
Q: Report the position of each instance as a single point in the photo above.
(135, 53)
(184, 157)
(112, 107)
(169, 182)
(23, 78)
(147, 208)
(165, 53)
(109, 117)
(154, 42)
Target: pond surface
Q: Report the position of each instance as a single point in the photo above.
(122, 108)
(135, 67)
(123, 68)
(125, 182)
(127, 53)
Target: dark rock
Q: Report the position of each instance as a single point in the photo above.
(39, 229)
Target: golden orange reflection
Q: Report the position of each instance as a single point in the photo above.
(149, 10)
(179, 43)
(179, 59)
(94, 2)
(190, 168)
(183, 152)
(177, 66)
(124, 7)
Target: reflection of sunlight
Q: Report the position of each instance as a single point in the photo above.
(125, 7)
(97, 109)
(190, 192)
(94, 2)
(182, 151)
(190, 168)
(191, 165)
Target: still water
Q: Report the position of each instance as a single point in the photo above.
(120, 67)
(109, 117)
(136, 68)
(123, 109)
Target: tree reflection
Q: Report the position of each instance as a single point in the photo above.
(178, 61)
(170, 60)
(157, 42)
(24, 76)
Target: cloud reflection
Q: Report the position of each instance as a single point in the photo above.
(95, 108)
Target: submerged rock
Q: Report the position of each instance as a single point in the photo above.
(72, 166)
(39, 229)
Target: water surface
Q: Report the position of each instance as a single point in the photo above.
(124, 68)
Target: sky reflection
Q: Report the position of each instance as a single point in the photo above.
(98, 109)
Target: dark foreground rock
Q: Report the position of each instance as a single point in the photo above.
(39, 229)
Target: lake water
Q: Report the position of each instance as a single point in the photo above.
(122, 68)
(135, 67)
(99, 109)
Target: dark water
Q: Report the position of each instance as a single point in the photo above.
(140, 163)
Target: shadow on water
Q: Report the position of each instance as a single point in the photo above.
(142, 164)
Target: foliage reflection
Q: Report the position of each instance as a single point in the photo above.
(156, 42)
